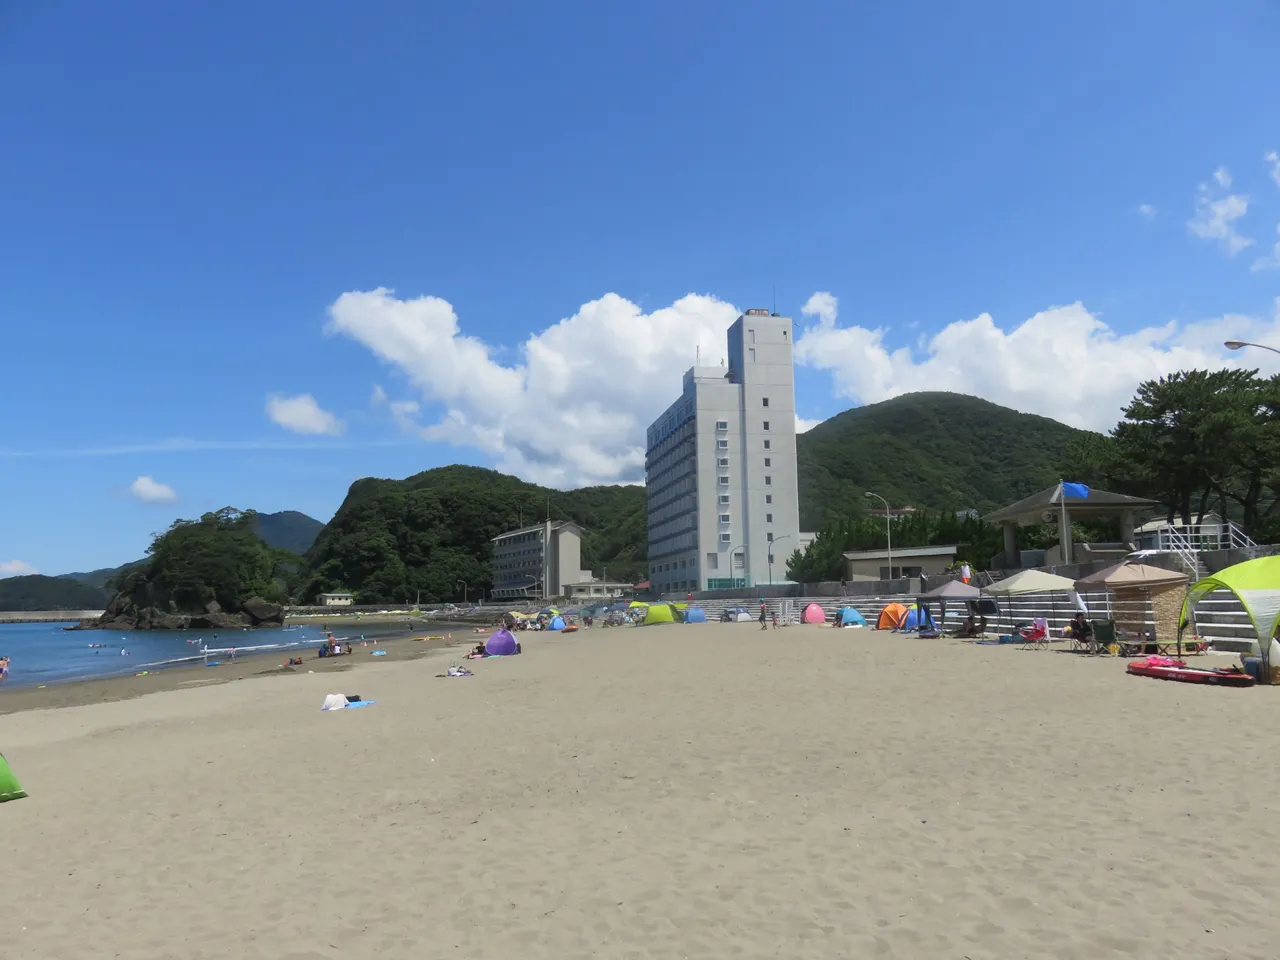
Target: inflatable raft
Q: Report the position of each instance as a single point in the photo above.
(1179, 671)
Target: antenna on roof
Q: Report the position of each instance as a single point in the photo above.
(697, 355)
(775, 299)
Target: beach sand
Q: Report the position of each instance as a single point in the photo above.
(684, 791)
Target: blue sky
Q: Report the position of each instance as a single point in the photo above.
(202, 202)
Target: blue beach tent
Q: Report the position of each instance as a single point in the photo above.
(917, 618)
(695, 615)
(557, 624)
(850, 617)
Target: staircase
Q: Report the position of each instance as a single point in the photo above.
(1189, 542)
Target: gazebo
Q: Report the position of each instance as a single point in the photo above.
(1062, 503)
(1134, 584)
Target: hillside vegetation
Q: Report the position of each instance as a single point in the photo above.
(935, 450)
(392, 539)
(36, 592)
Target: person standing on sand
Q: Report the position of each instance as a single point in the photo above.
(764, 615)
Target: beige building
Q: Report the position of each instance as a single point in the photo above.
(336, 599)
(907, 562)
(590, 589)
(537, 562)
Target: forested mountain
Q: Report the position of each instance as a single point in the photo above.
(36, 592)
(391, 539)
(935, 450)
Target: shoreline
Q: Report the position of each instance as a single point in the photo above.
(396, 639)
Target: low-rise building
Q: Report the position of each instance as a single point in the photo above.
(536, 562)
(336, 599)
(907, 562)
(596, 590)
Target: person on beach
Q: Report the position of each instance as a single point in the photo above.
(764, 615)
(775, 619)
(4, 668)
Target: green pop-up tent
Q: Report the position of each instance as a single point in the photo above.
(10, 788)
(1257, 584)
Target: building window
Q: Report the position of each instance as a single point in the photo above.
(768, 462)
(724, 498)
(724, 537)
(713, 561)
(766, 444)
(768, 518)
(722, 424)
(722, 444)
(766, 401)
(752, 334)
(769, 537)
(724, 518)
(724, 461)
(724, 481)
(753, 354)
(768, 481)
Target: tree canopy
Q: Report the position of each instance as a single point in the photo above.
(35, 592)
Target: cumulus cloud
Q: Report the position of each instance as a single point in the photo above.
(301, 414)
(1064, 362)
(149, 490)
(570, 408)
(803, 425)
(15, 568)
(1146, 211)
(1273, 160)
(1215, 216)
(821, 305)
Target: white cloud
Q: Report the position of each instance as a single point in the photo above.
(151, 491)
(1272, 260)
(1223, 177)
(803, 425)
(15, 568)
(379, 396)
(1215, 218)
(1146, 211)
(301, 414)
(1064, 362)
(571, 408)
(1273, 159)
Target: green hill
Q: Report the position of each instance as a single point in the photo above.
(37, 592)
(938, 450)
(286, 530)
(391, 539)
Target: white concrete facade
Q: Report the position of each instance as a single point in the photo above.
(536, 562)
(720, 467)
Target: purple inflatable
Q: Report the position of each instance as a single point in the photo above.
(501, 644)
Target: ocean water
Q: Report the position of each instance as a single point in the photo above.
(46, 653)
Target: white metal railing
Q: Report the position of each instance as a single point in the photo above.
(1200, 537)
(1180, 541)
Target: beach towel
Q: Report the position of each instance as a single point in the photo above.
(340, 701)
(379, 653)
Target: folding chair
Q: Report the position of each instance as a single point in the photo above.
(1036, 637)
(1104, 636)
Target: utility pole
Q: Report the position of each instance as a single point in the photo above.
(888, 535)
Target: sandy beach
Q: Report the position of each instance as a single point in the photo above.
(681, 791)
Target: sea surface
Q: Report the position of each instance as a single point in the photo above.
(46, 653)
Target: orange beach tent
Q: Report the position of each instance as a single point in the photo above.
(890, 616)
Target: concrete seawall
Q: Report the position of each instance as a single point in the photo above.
(47, 616)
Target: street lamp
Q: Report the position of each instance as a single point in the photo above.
(888, 536)
(771, 543)
(464, 589)
(1239, 344)
(732, 551)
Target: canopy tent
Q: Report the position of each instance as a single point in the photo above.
(660, 613)
(955, 590)
(813, 614)
(571, 612)
(1030, 581)
(1128, 575)
(695, 615)
(890, 616)
(501, 644)
(849, 617)
(556, 624)
(550, 611)
(1257, 584)
(10, 789)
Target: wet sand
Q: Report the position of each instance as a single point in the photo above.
(679, 791)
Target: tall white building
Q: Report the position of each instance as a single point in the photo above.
(720, 467)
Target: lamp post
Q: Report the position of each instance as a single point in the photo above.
(771, 543)
(888, 536)
(1240, 344)
(732, 551)
(464, 589)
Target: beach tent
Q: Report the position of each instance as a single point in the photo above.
(659, 613)
(740, 615)
(955, 590)
(10, 789)
(1030, 581)
(1126, 576)
(556, 624)
(890, 616)
(695, 615)
(637, 603)
(813, 614)
(501, 644)
(1257, 584)
(849, 617)
(916, 618)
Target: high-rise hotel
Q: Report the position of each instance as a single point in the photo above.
(720, 467)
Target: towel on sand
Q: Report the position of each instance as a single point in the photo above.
(340, 701)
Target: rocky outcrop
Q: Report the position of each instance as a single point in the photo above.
(125, 612)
